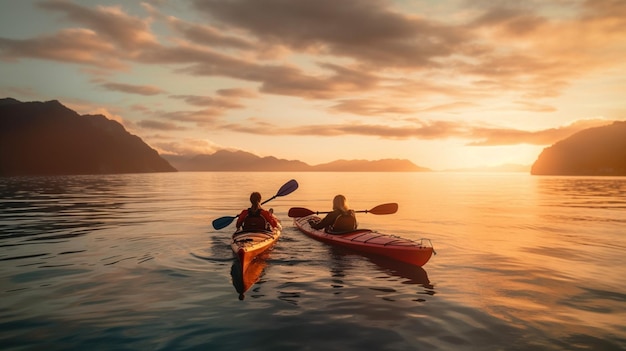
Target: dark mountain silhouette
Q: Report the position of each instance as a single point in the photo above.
(47, 138)
(224, 160)
(593, 151)
(9, 101)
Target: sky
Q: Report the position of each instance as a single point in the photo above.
(445, 84)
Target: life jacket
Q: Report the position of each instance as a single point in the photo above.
(255, 221)
(345, 222)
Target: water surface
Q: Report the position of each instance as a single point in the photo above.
(131, 262)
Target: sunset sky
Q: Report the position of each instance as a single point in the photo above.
(445, 84)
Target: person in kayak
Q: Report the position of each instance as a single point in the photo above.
(255, 217)
(341, 219)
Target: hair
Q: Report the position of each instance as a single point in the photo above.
(339, 203)
(255, 200)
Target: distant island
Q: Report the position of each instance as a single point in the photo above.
(599, 151)
(47, 138)
(239, 161)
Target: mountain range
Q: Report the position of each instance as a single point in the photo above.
(47, 138)
(224, 160)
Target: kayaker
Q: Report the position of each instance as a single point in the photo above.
(341, 219)
(255, 217)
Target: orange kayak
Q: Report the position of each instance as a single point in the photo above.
(247, 245)
(372, 242)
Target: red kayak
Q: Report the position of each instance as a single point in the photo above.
(372, 242)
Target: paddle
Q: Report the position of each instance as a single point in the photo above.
(286, 189)
(383, 209)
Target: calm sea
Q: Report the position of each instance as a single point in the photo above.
(131, 262)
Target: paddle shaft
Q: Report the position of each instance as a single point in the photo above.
(383, 209)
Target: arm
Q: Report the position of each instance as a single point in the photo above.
(353, 214)
(327, 221)
(241, 217)
(270, 218)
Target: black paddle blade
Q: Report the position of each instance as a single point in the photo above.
(223, 222)
(296, 212)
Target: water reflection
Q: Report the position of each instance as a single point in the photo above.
(412, 273)
(342, 267)
(52, 208)
(244, 280)
(592, 192)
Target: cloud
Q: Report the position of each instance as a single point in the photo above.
(505, 48)
(132, 89)
(425, 130)
(205, 117)
(68, 45)
(274, 79)
(611, 10)
(219, 102)
(111, 23)
(159, 125)
(209, 36)
(348, 51)
(420, 130)
(534, 107)
(341, 82)
(453, 106)
(512, 20)
(109, 37)
(370, 107)
(540, 55)
(140, 108)
(502, 136)
(237, 93)
(187, 146)
(368, 31)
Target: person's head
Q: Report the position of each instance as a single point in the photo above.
(339, 203)
(255, 199)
